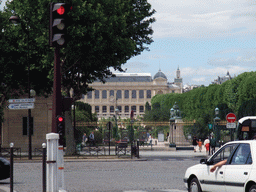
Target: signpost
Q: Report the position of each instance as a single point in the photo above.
(27, 100)
(21, 106)
(26, 103)
(231, 117)
(231, 125)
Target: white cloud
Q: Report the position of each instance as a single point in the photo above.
(206, 18)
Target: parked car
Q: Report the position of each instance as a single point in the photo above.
(238, 174)
(4, 168)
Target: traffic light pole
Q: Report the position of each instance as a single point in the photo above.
(56, 105)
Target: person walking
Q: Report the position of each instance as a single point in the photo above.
(91, 139)
(213, 144)
(207, 145)
(84, 140)
(194, 143)
(200, 145)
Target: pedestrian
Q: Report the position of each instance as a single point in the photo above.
(150, 139)
(213, 144)
(84, 140)
(207, 144)
(200, 145)
(91, 139)
(194, 143)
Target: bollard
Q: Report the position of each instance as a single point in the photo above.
(51, 167)
(44, 166)
(11, 166)
(60, 164)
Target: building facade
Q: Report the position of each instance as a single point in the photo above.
(129, 91)
(223, 79)
(15, 129)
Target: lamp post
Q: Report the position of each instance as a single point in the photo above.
(17, 20)
(216, 121)
(174, 115)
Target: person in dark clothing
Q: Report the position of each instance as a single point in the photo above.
(213, 144)
(194, 143)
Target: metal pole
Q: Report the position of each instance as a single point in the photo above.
(44, 166)
(109, 128)
(11, 167)
(29, 110)
(56, 108)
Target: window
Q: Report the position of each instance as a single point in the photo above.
(141, 109)
(126, 94)
(148, 94)
(25, 125)
(242, 155)
(119, 108)
(119, 94)
(141, 94)
(112, 109)
(134, 94)
(104, 109)
(97, 94)
(89, 95)
(111, 93)
(83, 96)
(97, 109)
(126, 109)
(104, 94)
(134, 108)
(224, 153)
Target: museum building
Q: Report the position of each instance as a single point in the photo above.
(125, 92)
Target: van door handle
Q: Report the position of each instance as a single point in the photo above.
(221, 172)
(245, 173)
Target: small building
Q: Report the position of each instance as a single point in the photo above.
(223, 79)
(14, 128)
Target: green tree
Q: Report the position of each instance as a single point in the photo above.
(103, 34)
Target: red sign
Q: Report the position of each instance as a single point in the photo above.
(231, 117)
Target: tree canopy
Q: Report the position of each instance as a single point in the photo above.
(103, 34)
(237, 95)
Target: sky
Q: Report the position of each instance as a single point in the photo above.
(203, 38)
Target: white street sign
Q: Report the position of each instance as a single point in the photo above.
(21, 106)
(26, 100)
(231, 125)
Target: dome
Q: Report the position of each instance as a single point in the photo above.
(160, 74)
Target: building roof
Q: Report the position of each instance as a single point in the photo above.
(130, 77)
(160, 74)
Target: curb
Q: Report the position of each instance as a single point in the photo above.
(5, 189)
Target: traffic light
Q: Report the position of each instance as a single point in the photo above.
(58, 24)
(61, 128)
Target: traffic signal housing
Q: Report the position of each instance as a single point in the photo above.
(59, 21)
(61, 128)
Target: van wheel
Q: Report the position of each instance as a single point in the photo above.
(194, 186)
(253, 188)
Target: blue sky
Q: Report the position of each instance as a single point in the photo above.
(205, 39)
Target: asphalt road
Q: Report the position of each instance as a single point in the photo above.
(156, 174)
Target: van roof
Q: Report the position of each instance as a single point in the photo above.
(246, 118)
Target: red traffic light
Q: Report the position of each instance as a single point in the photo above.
(61, 10)
(60, 119)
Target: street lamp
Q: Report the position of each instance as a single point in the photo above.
(216, 121)
(17, 20)
(174, 115)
